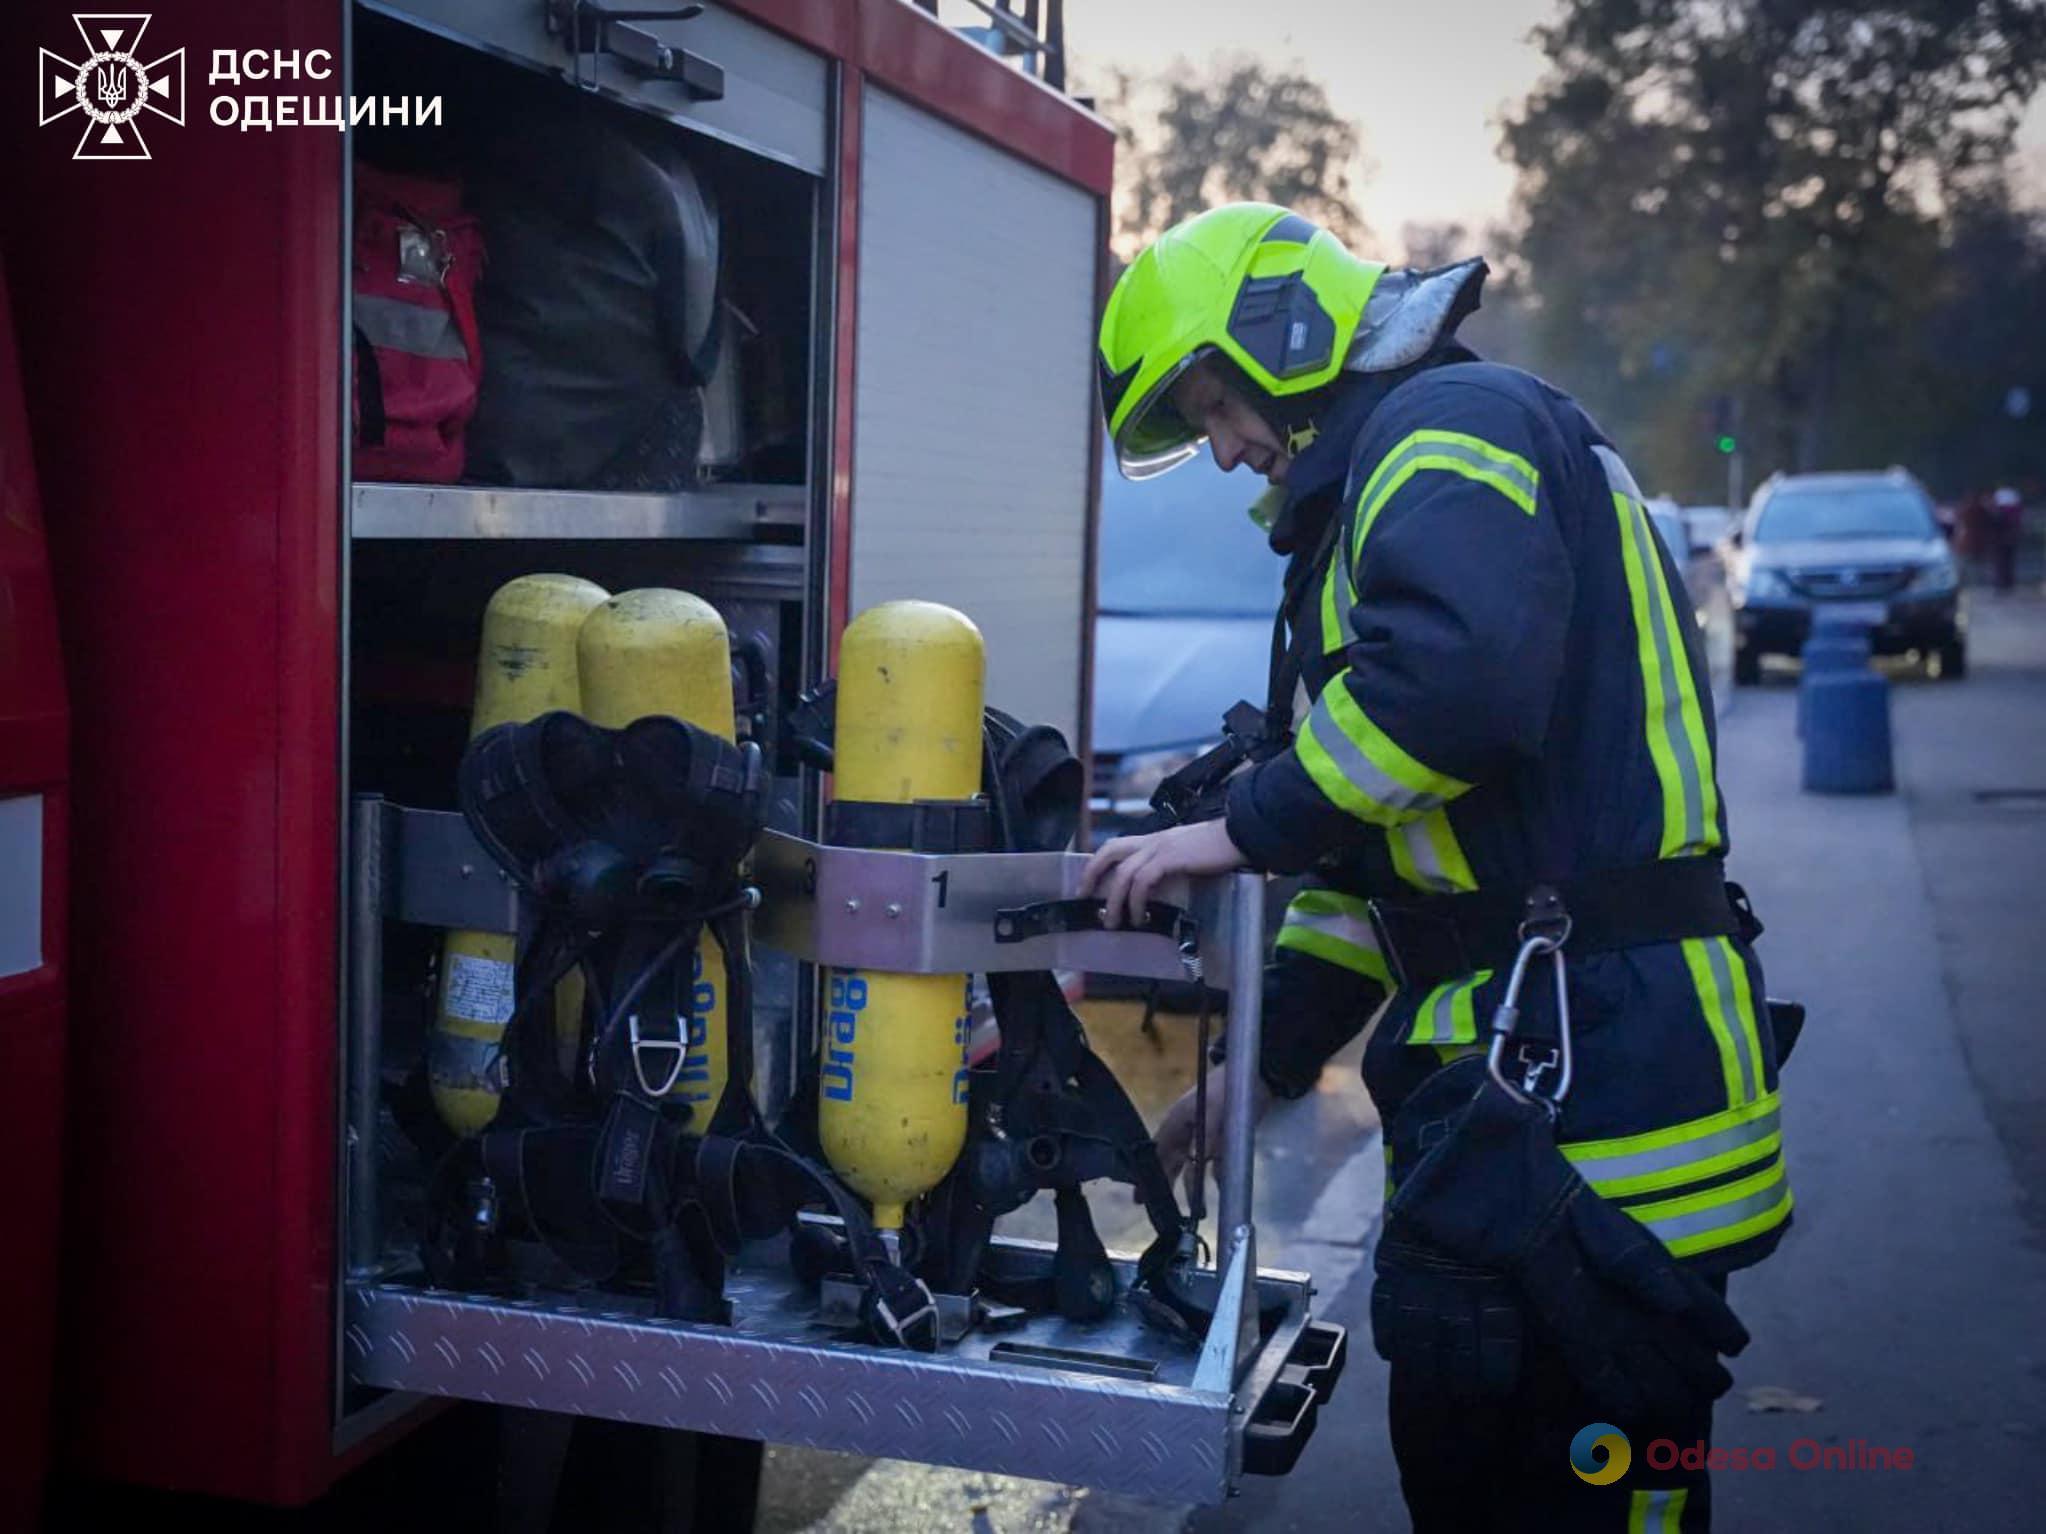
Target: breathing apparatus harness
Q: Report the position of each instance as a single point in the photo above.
(628, 846)
(1046, 1113)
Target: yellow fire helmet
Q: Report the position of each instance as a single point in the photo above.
(1275, 294)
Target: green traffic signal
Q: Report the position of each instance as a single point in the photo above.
(1726, 444)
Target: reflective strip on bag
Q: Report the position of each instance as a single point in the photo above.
(419, 330)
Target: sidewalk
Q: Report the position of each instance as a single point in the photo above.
(1907, 1298)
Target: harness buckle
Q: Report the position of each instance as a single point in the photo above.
(905, 1331)
(678, 1047)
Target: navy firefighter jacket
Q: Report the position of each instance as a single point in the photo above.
(1501, 669)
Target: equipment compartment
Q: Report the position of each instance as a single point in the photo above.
(601, 218)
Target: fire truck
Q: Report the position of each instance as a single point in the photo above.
(270, 660)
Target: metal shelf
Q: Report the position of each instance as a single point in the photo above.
(475, 511)
(1114, 1405)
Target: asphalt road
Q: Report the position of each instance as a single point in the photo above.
(1908, 1306)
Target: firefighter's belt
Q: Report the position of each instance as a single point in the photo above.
(1437, 938)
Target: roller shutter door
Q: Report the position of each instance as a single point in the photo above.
(975, 397)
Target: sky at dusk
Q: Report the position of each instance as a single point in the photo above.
(1427, 82)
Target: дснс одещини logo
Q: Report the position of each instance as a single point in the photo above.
(112, 86)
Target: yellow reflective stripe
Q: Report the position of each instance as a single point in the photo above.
(1454, 451)
(1703, 836)
(1427, 855)
(1673, 719)
(1684, 1153)
(1722, 1216)
(1335, 928)
(1699, 959)
(1325, 902)
(1668, 746)
(1337, 598)
(1745, 1017)
(1361, 769)
(1657, 1512)
(1447, 1014)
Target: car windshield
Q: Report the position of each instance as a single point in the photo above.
(1860, 511)
(1182, 544)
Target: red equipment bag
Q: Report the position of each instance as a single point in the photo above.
(418, 361)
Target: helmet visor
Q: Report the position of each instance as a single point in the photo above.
(1155, 436)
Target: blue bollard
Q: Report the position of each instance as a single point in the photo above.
(1829, 618)
(1831, 649)
(1847, 733)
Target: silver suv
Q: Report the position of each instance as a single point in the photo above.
(1861, 546)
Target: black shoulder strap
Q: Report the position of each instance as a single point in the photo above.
(1293, 630)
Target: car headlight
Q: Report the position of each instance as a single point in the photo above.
(1767, 583)
(1138, 775)
(1936, 579)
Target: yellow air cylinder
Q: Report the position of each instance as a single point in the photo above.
(667, 652)
(526, 667)
(892, 1101)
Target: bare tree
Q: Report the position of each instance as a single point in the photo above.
(1238, 130)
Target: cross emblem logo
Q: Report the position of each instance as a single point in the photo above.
(112, 87)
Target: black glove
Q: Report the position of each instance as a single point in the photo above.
(1489, 1196)
(1457, 1326)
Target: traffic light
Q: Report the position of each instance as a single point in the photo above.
(1725, 419)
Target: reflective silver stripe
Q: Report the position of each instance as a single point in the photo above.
(1672, 689)
(1358, 769)
(1354, 930)
(1435, 1022)
(1658, 1512)
(1618, 475)
(413, 328)
(1598, 1167)
(1427, 864)
(1430, 445)
(1636, 530)
(1729, 1007)
(1672, 1228)
(1345, 597)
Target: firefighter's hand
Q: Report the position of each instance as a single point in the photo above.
(1126, 871)
(1175, 1130)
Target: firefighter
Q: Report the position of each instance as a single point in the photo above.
(1505, 767)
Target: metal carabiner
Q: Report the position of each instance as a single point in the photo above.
(1506, 1021)
(680, 1048)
